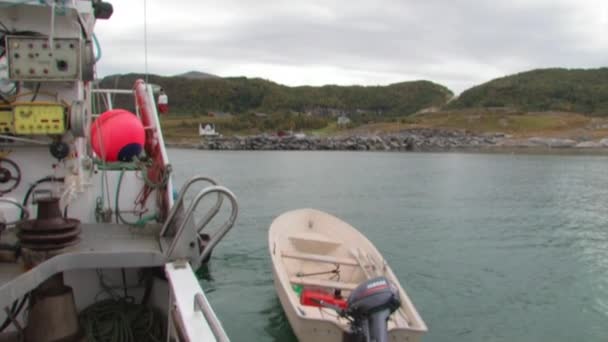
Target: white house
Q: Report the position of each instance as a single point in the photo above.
(343, 120)
(206, 130)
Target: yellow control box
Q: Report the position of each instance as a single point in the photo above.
(38, 118)
(6, 120)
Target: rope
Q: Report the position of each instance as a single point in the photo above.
(118, 320)
(335, 272)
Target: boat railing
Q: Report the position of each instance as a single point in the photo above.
(189, 306)
(183, 239)
(178, 205)
(202, 304)
(108, 96)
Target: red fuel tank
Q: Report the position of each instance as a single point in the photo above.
(312, 297)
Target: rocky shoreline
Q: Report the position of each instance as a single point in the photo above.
(415, 140)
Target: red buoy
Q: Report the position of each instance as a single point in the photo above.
(117, 135)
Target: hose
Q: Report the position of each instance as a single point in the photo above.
(48, 179)
(97, 47)
(139, 223)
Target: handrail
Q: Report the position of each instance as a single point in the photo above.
(221, 232)
(108, 95)
(201, 304)
(112, 91)
(180, 201)
(195, 318)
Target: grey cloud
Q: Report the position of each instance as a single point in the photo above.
(429, 39)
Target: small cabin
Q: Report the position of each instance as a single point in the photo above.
(206, 130)
(343, 120)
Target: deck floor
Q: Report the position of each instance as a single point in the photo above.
(102, 245)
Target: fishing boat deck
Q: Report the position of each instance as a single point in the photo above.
(102, 245)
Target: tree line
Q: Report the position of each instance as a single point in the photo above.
(568, 90)
(571, 90)
(241, 96)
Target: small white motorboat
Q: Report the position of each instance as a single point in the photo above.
(333, 283)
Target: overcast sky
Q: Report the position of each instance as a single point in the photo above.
(458, 43)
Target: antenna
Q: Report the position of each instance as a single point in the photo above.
(146, 40)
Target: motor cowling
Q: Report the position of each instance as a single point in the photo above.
(370, 305)
(372, 296)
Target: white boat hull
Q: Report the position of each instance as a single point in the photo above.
(304, 242)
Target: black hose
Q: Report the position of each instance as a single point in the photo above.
(49, 179)
(35, 92)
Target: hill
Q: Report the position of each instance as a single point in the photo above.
(563, 90)
(240, 95)
(196, 75)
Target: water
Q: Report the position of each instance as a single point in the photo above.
(489, 247)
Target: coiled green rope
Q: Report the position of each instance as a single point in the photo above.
(118, 320)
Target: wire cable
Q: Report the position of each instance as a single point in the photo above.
(36, 92)
(146, 39)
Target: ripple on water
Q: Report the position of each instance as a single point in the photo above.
(489, 247)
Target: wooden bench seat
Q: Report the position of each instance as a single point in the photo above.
(323, 283)
(320, 258)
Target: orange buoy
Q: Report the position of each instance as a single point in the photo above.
(117, 135)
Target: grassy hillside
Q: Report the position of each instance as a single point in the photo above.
(242, 95)
(541, 124)
(547, 102)
(568, 90)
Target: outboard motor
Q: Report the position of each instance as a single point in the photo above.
(370, 306)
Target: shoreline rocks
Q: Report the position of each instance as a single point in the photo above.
(413, 140)
(410, 140)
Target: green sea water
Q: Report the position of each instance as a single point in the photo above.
(489, 247)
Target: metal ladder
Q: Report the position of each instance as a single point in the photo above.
(181, 237)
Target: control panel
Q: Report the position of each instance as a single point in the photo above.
(38, 59)
(39, 118)
(6, 120)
